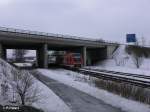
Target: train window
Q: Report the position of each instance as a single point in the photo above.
(77, 59)
(77, 55)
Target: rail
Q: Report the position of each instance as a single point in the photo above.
(134, 79)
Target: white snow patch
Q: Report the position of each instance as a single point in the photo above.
(23, 64)
(123, 62)
(5, 77)
(109, 98)
(50, 102)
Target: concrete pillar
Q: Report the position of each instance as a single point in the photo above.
(2, 52)
(42, 56)
(89, 59)
(84, 56)
(45, 55)
(37, 58)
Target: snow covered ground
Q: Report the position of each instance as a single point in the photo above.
(5, 77)
(50, 102)
(67, 77)
(23, 64)
(123, 62)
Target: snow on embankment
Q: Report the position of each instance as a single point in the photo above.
(5, 77)
(120, 58)
(109, 98)
(123, 62)
(48, 100)
(5, 70)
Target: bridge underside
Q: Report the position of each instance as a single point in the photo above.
(91, 50)
(90, 54)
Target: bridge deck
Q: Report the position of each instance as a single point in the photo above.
(24, 37)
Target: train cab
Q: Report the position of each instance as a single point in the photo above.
(73, 60)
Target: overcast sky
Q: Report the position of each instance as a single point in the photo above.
(107, 19)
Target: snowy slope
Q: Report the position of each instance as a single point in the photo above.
(68, 78)
(49, 101)
(5, 78)
(120, 58)
(123, 62)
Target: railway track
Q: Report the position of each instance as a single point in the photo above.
(134, 79)
(122, 73)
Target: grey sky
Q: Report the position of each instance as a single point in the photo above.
(107, 19)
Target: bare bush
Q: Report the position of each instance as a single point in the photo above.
(125, 90)
(25, 87)
(136, 55)
(137, 59)
(4, 89)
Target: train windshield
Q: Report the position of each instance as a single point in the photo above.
(77, 55)
(77, 59)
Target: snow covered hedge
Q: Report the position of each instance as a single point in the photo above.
(125, 90)
(16, 86)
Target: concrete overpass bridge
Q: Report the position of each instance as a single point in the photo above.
(92, 50)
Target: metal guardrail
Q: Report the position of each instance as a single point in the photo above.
(13, 30)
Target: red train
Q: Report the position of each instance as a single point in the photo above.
(70, 59)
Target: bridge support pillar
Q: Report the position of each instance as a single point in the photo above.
(42, 56)
(84, 53)
(2, 52)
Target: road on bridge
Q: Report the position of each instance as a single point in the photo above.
(77, 101)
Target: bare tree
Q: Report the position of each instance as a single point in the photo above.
(136, 54)
(24, 86)
(19, 54)
(4, 89)
(143, 41)
(137, 59)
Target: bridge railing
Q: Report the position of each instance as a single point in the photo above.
(53, 35)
